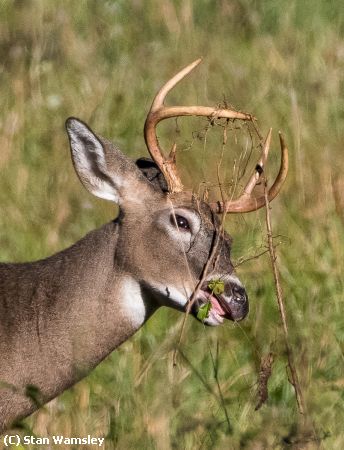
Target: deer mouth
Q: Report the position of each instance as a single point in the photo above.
(232, 304)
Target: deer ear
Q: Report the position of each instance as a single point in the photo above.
(88, 155)
(104, 170)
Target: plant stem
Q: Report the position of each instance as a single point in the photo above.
(279, 295)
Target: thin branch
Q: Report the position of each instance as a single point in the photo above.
(215, 368)
(249, 258)
(195, 293)
(199, 375)
(279, 295)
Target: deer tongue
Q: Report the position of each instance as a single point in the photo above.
(215, 304)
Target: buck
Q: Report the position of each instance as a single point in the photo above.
(61, 316)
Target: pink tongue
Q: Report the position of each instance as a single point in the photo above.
(216, 306)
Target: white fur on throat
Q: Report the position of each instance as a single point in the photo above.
(131, 301)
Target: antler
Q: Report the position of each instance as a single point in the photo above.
(159, 111)
(247, 203)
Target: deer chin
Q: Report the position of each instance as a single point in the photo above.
(222, 306)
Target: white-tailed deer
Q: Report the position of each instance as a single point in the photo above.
(61, 316)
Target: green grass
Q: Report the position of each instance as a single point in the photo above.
(103, 61)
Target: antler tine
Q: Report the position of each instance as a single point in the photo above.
(160, 96)
(159, 111)
(247, 203)
(259, 166)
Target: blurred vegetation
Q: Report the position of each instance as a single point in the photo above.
(103, 61)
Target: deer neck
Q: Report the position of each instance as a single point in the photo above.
(61, 316)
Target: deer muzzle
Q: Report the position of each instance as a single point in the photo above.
(232, 304)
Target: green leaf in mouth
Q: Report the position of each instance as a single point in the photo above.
(203, 312)
(217, 287)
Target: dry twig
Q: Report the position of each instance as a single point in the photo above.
(265, 370)
(279, 294)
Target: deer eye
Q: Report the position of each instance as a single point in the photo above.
(181, 222)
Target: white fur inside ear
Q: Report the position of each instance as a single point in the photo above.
(89, 160)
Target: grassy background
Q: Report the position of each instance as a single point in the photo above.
(102, 61)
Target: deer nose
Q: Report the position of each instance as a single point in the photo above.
(239, 304)
(239, 295)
